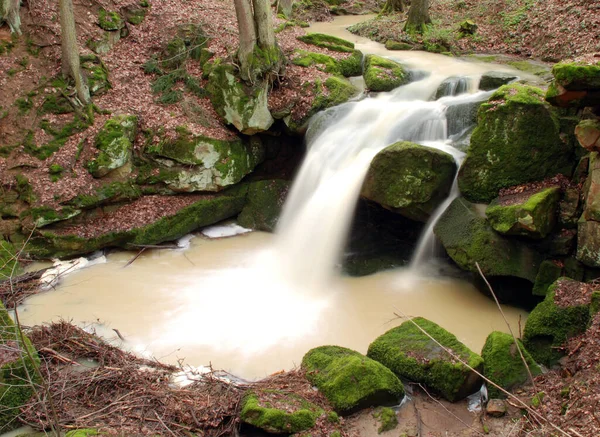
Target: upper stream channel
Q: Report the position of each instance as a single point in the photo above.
(255, 303)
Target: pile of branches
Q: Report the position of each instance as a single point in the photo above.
(122, 394)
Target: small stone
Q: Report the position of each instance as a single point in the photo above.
(496, 408)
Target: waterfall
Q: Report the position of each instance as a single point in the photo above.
(341, 143)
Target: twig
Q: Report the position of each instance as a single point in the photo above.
(132, 260)
(163, 424)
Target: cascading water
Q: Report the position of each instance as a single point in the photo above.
(341, 145)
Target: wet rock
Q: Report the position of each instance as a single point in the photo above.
(409, 179)
(387, 419)
(264, 204)
(468, 239)
(17, 369)
(569, 208)
(411, 354)
(115, 143)
(517, 140)
(549, 272)
(588, 243)
(530, 215)
(383, 74)
(575, 85)
(503, 364)
(550, 325)
(588, 134)
(398, 45)
(461, 116)
(495, 79)
(496, 408)
(243, 106)
(278, 412)
(453, 86)
(349, 380)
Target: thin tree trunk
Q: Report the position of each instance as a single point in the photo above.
(245, 19)
(264, 24)
(70, 51)
(9, 12)
(286, 7)
(418, 16)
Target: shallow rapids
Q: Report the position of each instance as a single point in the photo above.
(210, 304)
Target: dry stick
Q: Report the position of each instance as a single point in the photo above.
(56, 425)
(509, 328)
(448, 411)
(449, 352)
(163, 424)
(132, 260)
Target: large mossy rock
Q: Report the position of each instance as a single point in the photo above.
(329, 42)
(243, 106)
(575, 85)
(383, 74)
(517, 140)
(278, 412)
(409, 179)
(18, 377)
(411, 354)
(503, 364)
(198, 163)
(265, 201)
(348, 67)
(468, 238)
(349, 380)
(526, 214)
(115, 143)
(205, 210)
(550, 325)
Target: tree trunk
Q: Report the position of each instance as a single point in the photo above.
(418, 16)
(286, 7)
(70, 51)
(243, 11)
(392, 6)
(9, 12)
(264, 24)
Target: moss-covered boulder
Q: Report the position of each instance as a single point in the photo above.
(18, 377)
(409, 179)
(349, 380)
(503, 364)
(243, 106)
(411, 354)
(264, 203)
(44, 216)
(588, 134)
(329, 42)
(468, 238)
(383, 74)
(530, 214)
(548, 273)
(495, 79)
(517, 140)
(110, 20)
(96, 74)
(575, 84)
(348, 67)
(190, 162)
(398, 45)
(115, 143)
(134, 13)
(278, 412)
(551, 324)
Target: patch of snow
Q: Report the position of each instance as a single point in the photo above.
(60, 269)
(224, 230)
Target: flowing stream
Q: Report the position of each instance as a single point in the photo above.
(254, 304)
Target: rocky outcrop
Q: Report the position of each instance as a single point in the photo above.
(503, 364)
(517, 140)
(264, 203)
(409, 179)
(383, 74)
(413, 355)
(115, 144)
(588, 134)
(350, 381)
(575, 85)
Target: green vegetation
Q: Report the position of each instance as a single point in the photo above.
(411, 354)
(387, 419)
(9, 263)
(350, 381)
(115, 142)
(110, 20)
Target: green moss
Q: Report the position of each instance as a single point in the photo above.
(595, 304)
(577, 76)
(503, 364)
(339, 90)
(529, 67)
(110, 20)
(549, 326)
(537, 399)
(413, 355)
(326, 63)
(350, 381)
(328, 42)
(549, 272)
(387, 419)
(263, 207)
(295, 415)
(82, 433)
(382, 74)
(109, 193)
(96, 73)
(43, 216)
(534, 217)
(24, 189)
(115, 142)
(517, 140)
(56, 104)
(409, 179)
(18, 377)
(24, 105)
(135, 16)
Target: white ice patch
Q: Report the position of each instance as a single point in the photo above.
(185, 241)
(60, 269)
(224, 230)
(477, 399)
